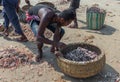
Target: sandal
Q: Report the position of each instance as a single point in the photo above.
(1, 27)
(5, 34)
(22, 39)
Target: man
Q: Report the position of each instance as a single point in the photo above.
(74, 4)
(53, 21)
(9, 13)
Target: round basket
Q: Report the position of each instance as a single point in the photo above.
(81, 69)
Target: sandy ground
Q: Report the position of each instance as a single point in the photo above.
(48, 71)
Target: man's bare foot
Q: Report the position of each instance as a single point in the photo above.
(5, 33)
(22, 39)
(13, 34)
(39, 57)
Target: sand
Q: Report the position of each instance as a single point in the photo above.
(48, 71)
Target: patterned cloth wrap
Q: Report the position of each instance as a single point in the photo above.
(33, 17)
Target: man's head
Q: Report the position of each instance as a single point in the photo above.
(67, 16)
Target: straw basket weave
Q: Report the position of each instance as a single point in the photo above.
(81, 69)
(95, 20)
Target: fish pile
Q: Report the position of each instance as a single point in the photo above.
(95, 10)
(13, 56)
(81, 54)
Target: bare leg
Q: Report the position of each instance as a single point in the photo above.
(75, 24)
(40, 52)
(57, 39)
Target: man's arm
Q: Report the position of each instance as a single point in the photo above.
(45, 20)
(57, 36)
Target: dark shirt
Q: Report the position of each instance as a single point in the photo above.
(34, 10)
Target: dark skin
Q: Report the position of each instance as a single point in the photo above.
(75, 24)
(47, 16)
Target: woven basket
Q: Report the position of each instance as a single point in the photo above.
(81, 69)
(95, 21)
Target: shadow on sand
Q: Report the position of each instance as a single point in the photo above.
(108, 74)
(105, 30)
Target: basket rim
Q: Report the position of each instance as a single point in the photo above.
(60, 57)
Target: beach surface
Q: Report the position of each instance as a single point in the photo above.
(107, 38)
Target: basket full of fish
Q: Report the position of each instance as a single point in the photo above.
(95, 18)
(81, 60)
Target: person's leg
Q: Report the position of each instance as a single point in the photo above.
(62, 32)
(75, 20)
(40, 52)
(12, 15)
(74, 4)
(6, 25)
(34, 27)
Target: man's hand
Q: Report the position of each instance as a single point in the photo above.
(57, 54)
(60, 45)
